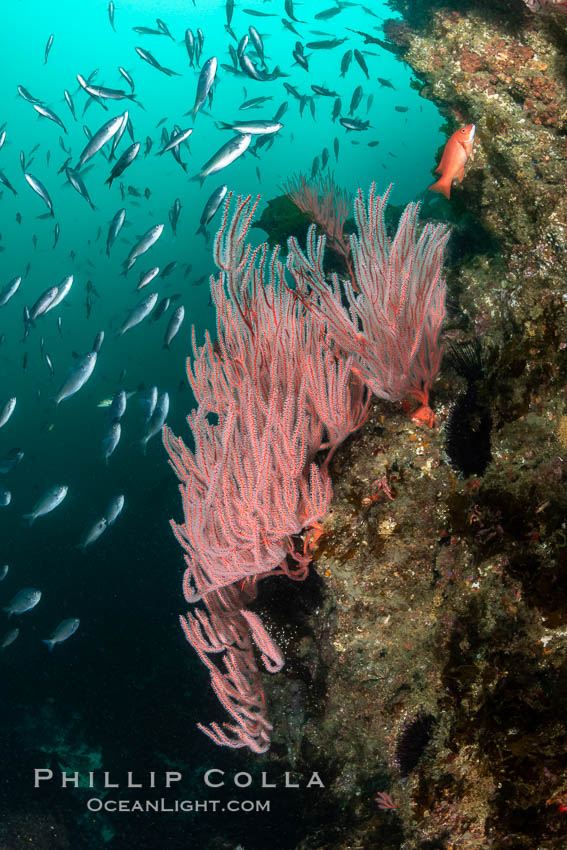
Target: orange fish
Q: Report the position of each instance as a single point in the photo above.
(452, 166)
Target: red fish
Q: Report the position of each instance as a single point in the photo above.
(452, 166)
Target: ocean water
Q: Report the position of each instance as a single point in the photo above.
(125, 692)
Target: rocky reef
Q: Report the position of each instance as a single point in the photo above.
(427, 661)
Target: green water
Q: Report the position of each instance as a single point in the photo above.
(127, 589)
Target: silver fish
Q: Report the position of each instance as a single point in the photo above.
(62, 291)
(5, 497)
(190, 45)
(110, 440)
(97, 344)
(49, 113)
(127, 77)
(48, 502)
(117, 138)
(204, 84)
(111, 11)
(225, 155)
(157, 421)
(115, 227)
(78, 184)
(77, 377)
(174, 214)
(4, 572)
(175, 141)
(27, 96)
(139, 313)
(10, 289)
(122, 164)
(105, 93)
(255, 73)
(354, 124)
(43, 303)
(48, 47)
(255, 101)
(23, 601)
(64, 630)
(40, 190)
(147, 278)
(255, 128)
(210, 208)
(9, 638)
(114, 509)
(100, 138)
(256, 40)
(164, 28)
(151, 60)
(7, 411)
(118, 406)
(174, 324)
(49, 363)
(147, 240)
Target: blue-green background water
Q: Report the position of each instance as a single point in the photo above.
(127, 684)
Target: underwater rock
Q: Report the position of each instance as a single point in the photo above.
(413, 741)
(469, 424)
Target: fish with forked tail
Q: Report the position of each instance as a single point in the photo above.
(457, 151)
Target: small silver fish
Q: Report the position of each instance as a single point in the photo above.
(7, 411)
(118, 406)
(23, 601)
(98, 340)
(64, 630)
(77, 377)
(225, 155)
(204, 84)
(70, 104)
(114, 509)
(147, 240)
(173, 326)
(48, 47)
(139, 313)
(175, 141)
(62, 291)
(111, 440)
(122, 164)
(157, 421)
(40, 190)
(78, 185)
(9, 290)
(4, 572)
(100, 138)
(255, 128)
(93, 534)
(42, 303)
(116, 226)
(49, 113)
(48, 502)
(147, 278)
